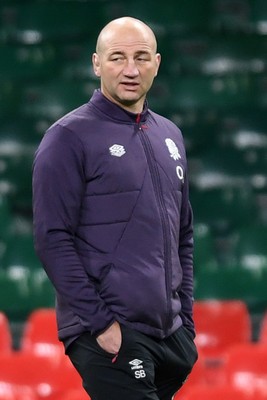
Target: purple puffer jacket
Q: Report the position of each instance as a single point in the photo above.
(113, 222)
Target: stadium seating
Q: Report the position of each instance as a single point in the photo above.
(7, 393)
(37, 22)
(40, 334)
(204, 247)
(26, 63)
(213, 55)
(75, 394)
(251, 248)
(9, 98)
(22, 393)
(25, 370)
(20, 251)
(40, 338)
(231, 16)
(259, 16)
(197, 377)
(215, 393)
(262, 335)
(6, 341)
(17, 145)
(243, 131)
(219, 325)
(24, 289)
(212, 84)
(52, 99)
(246, 369)
(15, 298)
(223, 209)
(230, 283)
(10, 392)
(204, 92)
(42, 290)
(5, 217)
(187, 17)
(22, 278)
(75, 58)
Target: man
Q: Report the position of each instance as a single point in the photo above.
(113, 228)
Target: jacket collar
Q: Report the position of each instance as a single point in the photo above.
(116, 112)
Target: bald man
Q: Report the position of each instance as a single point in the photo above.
(113, 228)
(127, 62)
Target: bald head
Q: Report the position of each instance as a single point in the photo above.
(126, 62)
(123, 27)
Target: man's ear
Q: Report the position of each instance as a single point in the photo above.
(96, 64)
(158, 61)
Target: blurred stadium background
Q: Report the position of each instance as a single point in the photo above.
(212, 84)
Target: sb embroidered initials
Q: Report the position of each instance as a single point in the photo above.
(140, 374)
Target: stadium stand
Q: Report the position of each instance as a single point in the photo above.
(245, 369)
(40, 334)
(212, 84)
(6, 345)
(74, 394)
(25, 370)
(9, 392)
(218, 393)
(219, 325)
(263, 329)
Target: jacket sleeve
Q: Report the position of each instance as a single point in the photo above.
(58, 187)
(186, 259)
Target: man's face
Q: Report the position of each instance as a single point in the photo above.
(127, 65)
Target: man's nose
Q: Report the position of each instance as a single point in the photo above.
(130, 68)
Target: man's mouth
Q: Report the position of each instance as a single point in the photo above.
(130, 84)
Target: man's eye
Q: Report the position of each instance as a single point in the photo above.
(117, 59)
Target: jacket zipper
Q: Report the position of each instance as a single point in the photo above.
(163, 216)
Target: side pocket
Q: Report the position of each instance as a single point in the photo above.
(185, 347)
(190, 339)
(102, 351)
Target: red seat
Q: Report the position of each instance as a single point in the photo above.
(246, 369)
(25, 393)
(40, 338)
(25, 370)
(196, 377)
(216, 393)
(263, 329)
(75, 394)
(7, 392)
(40, 334)
(12, 392)
(219, 325)
(5, 334)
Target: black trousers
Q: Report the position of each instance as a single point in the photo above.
(145, 368)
